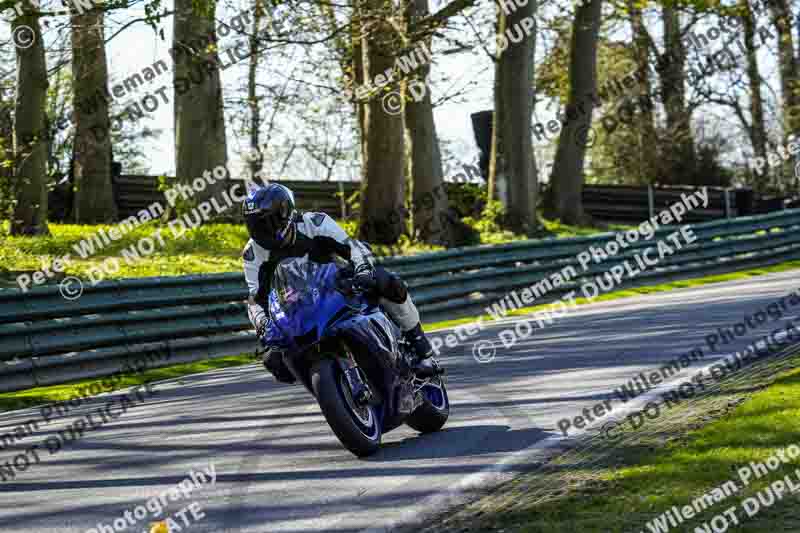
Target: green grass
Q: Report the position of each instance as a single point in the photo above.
(209, 248)
(644, 479)
(557, 229)
(65, 391)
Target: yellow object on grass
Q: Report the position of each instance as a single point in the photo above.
(159, 527)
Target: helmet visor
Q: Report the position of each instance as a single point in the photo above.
(271, 228)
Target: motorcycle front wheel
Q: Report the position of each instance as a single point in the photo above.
(357, 427)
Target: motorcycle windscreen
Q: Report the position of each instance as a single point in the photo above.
(303, 299)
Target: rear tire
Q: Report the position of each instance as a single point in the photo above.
(358, 429)
(432, 415)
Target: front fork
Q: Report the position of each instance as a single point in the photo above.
(402, 399)
(360, 390)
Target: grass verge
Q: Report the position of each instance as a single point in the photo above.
(65, 391)
(600, 486)
(206, 249)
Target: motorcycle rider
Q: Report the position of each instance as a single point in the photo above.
(278, 231)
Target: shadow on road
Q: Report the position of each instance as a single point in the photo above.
(460, 442)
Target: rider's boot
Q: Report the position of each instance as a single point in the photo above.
(423, 364)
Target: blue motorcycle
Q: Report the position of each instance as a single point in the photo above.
(351, 356)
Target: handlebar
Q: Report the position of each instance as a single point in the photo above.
(345, 283)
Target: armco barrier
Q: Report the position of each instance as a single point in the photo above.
(606, 202)
(133, 193)
(45, 339)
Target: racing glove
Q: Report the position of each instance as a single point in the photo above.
(364, 277)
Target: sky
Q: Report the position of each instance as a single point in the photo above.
(139, 47)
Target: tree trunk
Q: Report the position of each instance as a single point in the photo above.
(256, 163)
(648, 138)
(757, 130)
(789, 68)
(30, 148)
(515, 91)
(200, 142)
(431, 218)
(680, 155)
(357, 67)
(497, 186)
(94, 198)
(350, 58)
(382, 187)
(567, 175)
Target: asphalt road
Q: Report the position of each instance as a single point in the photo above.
(279, 467)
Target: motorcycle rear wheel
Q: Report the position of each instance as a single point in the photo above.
(356, 427)
(432, 415)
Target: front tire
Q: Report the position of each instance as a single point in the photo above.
(432, 415)
(357, 428)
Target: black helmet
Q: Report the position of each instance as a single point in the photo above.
(269, 213)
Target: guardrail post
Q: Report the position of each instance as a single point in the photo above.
(727, 203)
(651, 201)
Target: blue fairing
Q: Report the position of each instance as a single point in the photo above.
(307, 308)
(303, 311)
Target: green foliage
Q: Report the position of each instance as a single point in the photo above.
(353, 202)
(552, 74)
(180, 205)
(6, 182)
(350, 227)
(60, 130)
(6, 141)
(491, 218)
(153, 16)
(468, 199)
(614, 61)
(619, 157)
(490, 224)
